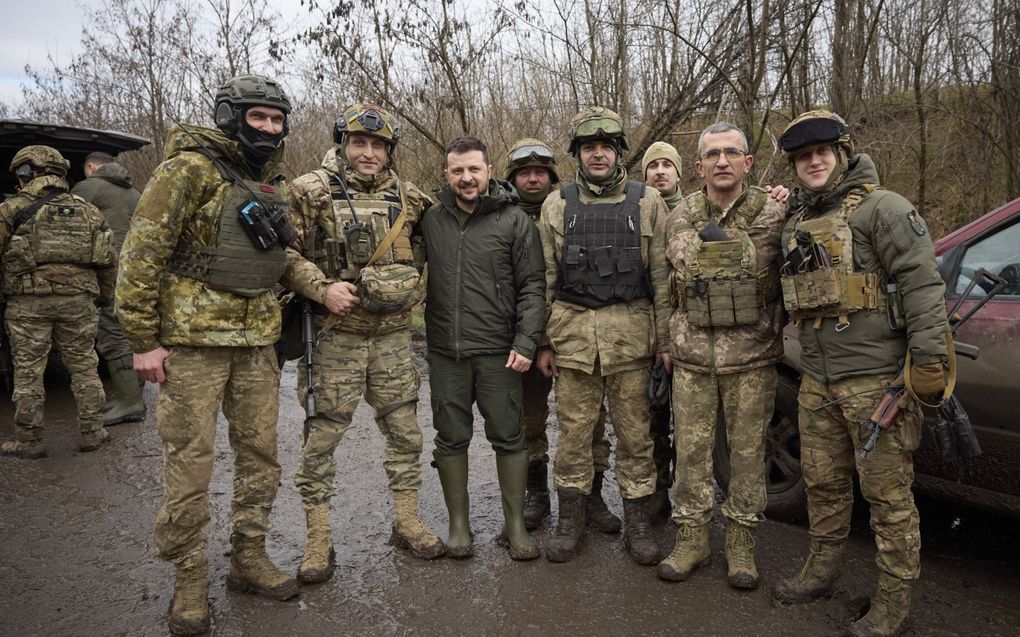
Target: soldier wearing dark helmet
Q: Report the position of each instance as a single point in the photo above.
(194, 297)
(861, 281)
(531, 170)
(58, 259)
(353, 259)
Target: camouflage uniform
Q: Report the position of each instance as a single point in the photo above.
(53, 301)
(364, 353)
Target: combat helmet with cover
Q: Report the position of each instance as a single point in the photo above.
(235, 97)
(32, 161)
(597, 123)
(367, 119)
(531, 152)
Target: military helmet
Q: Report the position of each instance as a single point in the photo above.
(243, 91)
(596, 122)
(43, 159)
(816, 127)
(367, 119)
(530, 152)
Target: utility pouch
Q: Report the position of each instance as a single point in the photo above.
(389, 288)
(572, 254)
(604, 261)
(359, 242)
(810, 290)
(103, 247)
(722, 303)
(18, 259)
(334, 257)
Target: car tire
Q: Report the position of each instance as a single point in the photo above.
(787, 498)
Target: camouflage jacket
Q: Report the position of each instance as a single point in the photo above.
(110, 190)
(310, 205)
(621, 336)
(725, 350)
(888, 237)
(55, 278)
(182, 203)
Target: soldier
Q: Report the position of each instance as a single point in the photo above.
(661, 167)
(531, 169)
(723, 243)
(604, 247)
(58, 260)
(353, 258)
(195, 300)
(483, 320)
(862, 283)
(107, 185)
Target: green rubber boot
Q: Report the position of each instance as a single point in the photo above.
(126, 403)
(453, 475)
(512, 471)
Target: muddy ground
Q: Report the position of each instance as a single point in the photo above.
(77, 557)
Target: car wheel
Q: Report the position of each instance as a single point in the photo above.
(787, 499)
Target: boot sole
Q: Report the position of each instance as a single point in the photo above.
(459, 552)
(187, 629)
(780, 600)
(743, 582)
(554, 555)
(318, 576)
(519, 553)
(288, 590)
(27, 455)
(432, 553)
(132, 417)
(667, 573)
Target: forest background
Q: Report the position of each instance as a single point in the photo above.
(930, 87)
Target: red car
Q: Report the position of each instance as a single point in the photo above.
(986, 386)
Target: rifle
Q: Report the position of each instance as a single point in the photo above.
(6, 362)
(953, 431)
(308, 336)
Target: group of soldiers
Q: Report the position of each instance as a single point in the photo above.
(614, 290)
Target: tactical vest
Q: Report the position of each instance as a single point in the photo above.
(234, 264)
(836, 290)
(723, 286)
(60, 233)
(601, 262)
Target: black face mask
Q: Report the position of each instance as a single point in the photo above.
(258, 146)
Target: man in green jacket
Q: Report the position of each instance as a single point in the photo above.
(195, 299)
(483, 321)
(107, 185)
(862, 283)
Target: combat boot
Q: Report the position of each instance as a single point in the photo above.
(409, 532)
(92, 440)
(638, 533)
(598, 514)
(252, 572)
(126, 403)
(536, 499)
(512, 471)
(189, 607)
(27, 449)
(319, 560)
(741, 571)
(453, 475)
(659, 507)
(816, 579)
(890, 608)
(570, 525)
(690, 551)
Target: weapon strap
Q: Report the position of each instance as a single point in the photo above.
(33, 208)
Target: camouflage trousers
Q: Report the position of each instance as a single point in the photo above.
(830, 442)
(347, 366)
(110, 341)
(245, 381)
(536, 389)
(747, 400)
(34, 322)
(579, 398)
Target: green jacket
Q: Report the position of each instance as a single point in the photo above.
(890, 238)
(182, 203)
(110, 190)
(486, 282)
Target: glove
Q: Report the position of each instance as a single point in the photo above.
(660, 385)
(927, 381)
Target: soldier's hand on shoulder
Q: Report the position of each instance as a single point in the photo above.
(341, 297)
(778, 193)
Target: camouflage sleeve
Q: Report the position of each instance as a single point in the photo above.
(679, 233)
(307, 198)
(7, 214)
(419, 202)
(658, 272)
(529, 281)
(552, 245)
(904, 247)
(178, 187)
(106, 274)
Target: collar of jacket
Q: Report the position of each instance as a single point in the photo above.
(188, 137)
(860, 170)
(499, 196)
(612, 186)
(38, 186)
(114, 173)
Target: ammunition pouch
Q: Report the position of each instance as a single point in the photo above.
(389, 288)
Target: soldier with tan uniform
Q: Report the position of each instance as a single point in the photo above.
(862, 283)
(531, 169)
(58, 259)
(726, 328)
(195, 299)
(607, 276)
(107, 185)
(353, 258)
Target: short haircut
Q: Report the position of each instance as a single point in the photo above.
(99, 157)
(467, 144)
(722, 127)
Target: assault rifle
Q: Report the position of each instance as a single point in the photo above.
(953, 431)
(308, 337)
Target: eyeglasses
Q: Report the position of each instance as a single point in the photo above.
(731, 152)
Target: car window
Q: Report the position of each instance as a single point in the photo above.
(999, 254)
